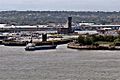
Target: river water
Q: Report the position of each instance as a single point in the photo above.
(58, 64)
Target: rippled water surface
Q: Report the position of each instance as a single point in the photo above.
(58, 64)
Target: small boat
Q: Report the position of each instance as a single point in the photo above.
(32, 47)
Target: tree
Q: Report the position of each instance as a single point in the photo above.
(109, 38)
(88, 41)
(81, 39)
(117, 42)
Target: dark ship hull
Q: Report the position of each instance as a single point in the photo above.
(42, 47)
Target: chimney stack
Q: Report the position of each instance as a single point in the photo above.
(70, 24)
(44, 37)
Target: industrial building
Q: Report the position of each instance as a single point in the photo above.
(46, 28)
(91, 26)
(66, 29)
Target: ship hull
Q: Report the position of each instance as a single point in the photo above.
(43, 47)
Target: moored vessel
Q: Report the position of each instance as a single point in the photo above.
(32, 47)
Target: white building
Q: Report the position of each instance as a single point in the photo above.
(92, 26)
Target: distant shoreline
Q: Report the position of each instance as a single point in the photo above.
(30, 17)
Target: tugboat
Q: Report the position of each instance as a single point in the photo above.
(32, 47)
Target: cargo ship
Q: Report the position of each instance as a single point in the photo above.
(32, 47)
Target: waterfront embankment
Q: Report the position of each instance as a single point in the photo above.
(73, 45)
(24, 43)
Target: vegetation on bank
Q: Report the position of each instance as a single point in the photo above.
(99, 40)
(58, 17)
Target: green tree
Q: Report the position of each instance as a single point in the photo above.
(109, 38)
(88, 41)
(117, 42)
(81, 39)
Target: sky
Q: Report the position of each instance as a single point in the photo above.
(60, 5)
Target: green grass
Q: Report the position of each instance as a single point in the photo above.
(104, 43)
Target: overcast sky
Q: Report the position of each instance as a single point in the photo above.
(74, 5)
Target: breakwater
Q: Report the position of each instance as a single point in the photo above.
(92, 47)
(24, 43)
